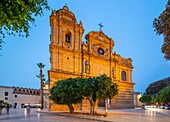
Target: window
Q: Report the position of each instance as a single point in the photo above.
(38, 93)
(15, 105)
(6, 98)
(6, 93)
(15, 96)
(123, 75)
(15, 90)
(100, 51)
(22, 105)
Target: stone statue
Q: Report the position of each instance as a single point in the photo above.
(113, 72)
(87, 66)
(68, 38)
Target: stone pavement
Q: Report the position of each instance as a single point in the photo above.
(21, 115)
(122, 115)
(114, 115)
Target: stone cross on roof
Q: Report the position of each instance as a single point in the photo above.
(100, 26)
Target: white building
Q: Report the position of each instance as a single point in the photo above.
(46, 95)
(137, 96)
(18, 96)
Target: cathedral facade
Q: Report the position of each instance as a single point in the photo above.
(70, 57)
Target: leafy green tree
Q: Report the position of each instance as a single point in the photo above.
(72, 91)
(1, 43)
(164, 95)
(162, 27)
(88, 86)
(17, 15)
(146, 99)
(99, 88)
(67, 92)
(156, 86)
(1, 106)
(155, 99)
(41, 76)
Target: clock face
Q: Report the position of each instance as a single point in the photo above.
(100, 51)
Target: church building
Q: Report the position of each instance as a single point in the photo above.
(71, 58)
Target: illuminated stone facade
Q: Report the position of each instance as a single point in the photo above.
(69, 57)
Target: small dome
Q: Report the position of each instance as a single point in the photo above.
(66, 8)
(65, 13)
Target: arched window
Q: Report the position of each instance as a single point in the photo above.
(38, 93)
(19, 90)
(15, 90)
(123, 75)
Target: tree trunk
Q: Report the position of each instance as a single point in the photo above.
(91, 105)
(41, 90)
(71, 109)
(95, 104)
(81, 105)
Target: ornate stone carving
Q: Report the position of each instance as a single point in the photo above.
(99, 38)
(113, 72)
(87, 66)
(98, 48)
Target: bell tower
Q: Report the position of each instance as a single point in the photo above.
(66, 41)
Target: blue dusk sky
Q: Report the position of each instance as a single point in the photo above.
(127, 22)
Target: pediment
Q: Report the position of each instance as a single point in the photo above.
(98, 35)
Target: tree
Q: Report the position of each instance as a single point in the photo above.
(156, 99)
(67, 92)
(17, 15)
(164, 95)
(41, 66)
(99, 88)
(1, 43)
(72, 91)
(156, 86)
(1, 106)
(162, 27)
(88, 86)
(145, 99)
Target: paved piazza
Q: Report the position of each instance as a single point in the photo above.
(114, 115)
(20, 115)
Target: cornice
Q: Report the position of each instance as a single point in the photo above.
(63, 72)
(125, 82)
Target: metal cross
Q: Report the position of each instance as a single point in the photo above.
(100, 26)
